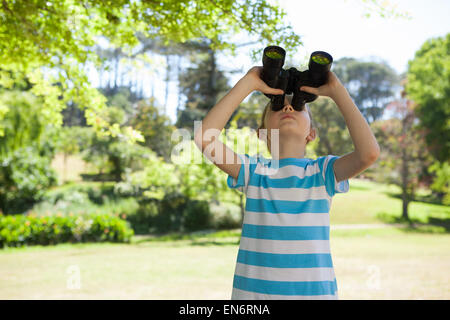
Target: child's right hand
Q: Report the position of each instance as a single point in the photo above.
(253, 77)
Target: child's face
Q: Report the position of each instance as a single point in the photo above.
(289, 121)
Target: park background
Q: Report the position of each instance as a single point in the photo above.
(95, 200)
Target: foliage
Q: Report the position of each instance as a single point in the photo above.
(428, 86)
(197, 215)
(404, 154)
(384, 9)
(442, 180)
(24, 177)
(201, 84)
(71, 139)
(72, 115)
(249, 113)
(201, 181)
(21, 122)
(226, 215)
(154, 126)
(143, 220)
(331, 130)
(170, 215)
(26, 149)
(49, 42)
(152, 180)
(25, 230)
(371, 85)
(113, 152)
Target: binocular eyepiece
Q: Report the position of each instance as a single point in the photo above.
(291, 80)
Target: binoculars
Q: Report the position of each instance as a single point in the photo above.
(291, 80)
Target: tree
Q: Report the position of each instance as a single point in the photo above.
(26, 151)
(332, 132)
(201, 84)
(123, 98)
(404, 156)
(155, 127)
(51, 41)
(429, 87)
(371, 85)
(73, 116)
(441, 183)
(249, 113)
(113, 152)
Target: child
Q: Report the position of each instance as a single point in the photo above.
(284, 251)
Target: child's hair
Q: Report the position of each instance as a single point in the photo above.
(264, 118)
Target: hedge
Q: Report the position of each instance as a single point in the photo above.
(23, 230)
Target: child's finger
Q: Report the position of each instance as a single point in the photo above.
(270, 90)
(310, 90)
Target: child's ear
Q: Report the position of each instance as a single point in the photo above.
(311, 136)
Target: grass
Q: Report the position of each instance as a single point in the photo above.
(386, 263)
(383, 263)
(371, 203)
(366, 203)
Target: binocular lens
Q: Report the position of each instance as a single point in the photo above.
(274, 54)
(320, 59)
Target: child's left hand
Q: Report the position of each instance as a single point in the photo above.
(330, 89)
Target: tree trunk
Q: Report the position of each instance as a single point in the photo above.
(405, 195)
(405, 206)
(117, 171)
(212, 78)
(65, 167)
(166, 95)
(116, 68)
(179, 87)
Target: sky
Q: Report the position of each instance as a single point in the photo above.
(340, 28)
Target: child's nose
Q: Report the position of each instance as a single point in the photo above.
(288, 108)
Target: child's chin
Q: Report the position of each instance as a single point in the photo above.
(289, 127)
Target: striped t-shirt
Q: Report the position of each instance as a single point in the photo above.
(284, 251)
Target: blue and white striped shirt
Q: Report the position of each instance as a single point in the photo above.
(284, 252)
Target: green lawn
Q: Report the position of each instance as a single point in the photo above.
(366, 201)
(370, 263)
(385, 263)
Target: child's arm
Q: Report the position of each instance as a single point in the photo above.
(366, 146)
(218, 116)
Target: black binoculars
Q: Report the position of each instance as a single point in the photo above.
(291, 80)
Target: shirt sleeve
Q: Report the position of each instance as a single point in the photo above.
(242, 181)
(326, 165)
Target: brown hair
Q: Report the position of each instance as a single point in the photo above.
(265, 114)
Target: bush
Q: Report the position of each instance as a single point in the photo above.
(25, 175)
(226, 215)
(85, 197)
(197, 216)
(142, 221)
(170, 214)
(24, 230)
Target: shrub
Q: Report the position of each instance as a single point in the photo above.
(226, 215)
(170, 213)
(142, 221)
(24, 177)
(86, 197)
(24, 230)
(197, 216)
